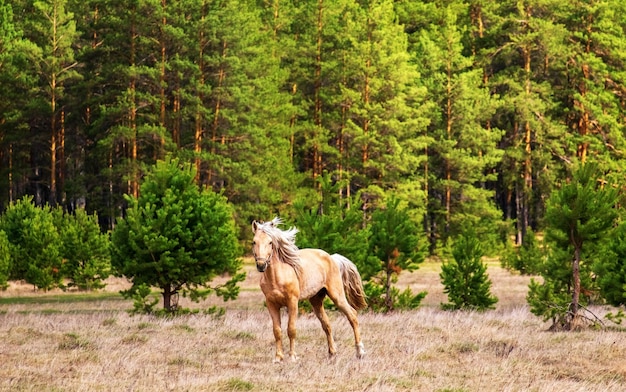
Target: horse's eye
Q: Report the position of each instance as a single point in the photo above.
(253, 242)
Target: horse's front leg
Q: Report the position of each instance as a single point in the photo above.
(275, 314)
(292, 309)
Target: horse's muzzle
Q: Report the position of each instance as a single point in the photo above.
(261, 267)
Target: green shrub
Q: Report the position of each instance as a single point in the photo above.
(465, 277)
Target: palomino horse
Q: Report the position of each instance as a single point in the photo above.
(291, 274)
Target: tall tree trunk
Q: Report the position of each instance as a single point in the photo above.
(317, 116)
(528, 182)
(340, 145)
(132, 115)
(448, 168)
(176, 117)
(216, 109)
(53, 144)
(583, 121)
(366, 100)
(61, 159)
(199, 117)
(11, 173)
(574, 318)
(162, 72)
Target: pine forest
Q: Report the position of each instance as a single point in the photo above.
(469, 112)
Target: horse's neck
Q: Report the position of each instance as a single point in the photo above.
(279, 272)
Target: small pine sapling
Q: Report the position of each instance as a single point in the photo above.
(465, 277)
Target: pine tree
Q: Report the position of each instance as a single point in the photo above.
(380, 116)
(395, 247)
(17, 78)
(530, 46)
(245, 144)
(176, 237)
(465, 277)
(85, 249)
(595, 50)
(550, 297)
(463, 149)
(35, 244)
(578, 215)
(53, 30)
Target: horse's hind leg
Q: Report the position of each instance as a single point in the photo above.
(339, 298)
(317, 302)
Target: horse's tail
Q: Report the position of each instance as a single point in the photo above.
(352, 283)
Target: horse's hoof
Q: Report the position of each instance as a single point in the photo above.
(293, 358)
(277, 360)
(360, 351)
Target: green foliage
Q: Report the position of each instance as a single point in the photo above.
(395, 247)
(549, 301)
(465, 277)
(610, 268)
(142, 303)
(551, 297)
(35, 244)
(617, 317)
(5, 260)
(378, 297)
(582, 210)
(528, 259)
(176, 237)
(86, 253)
(47, 246)
(449, 105)
(335, 225)
(578, 216)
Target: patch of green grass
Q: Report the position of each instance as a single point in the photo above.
(240, 335)
(182, 362)
(452, 390)
(144, 325)
(183, 327)
(72, 341)
(134, 339)
(62, 298)
(109, 322)
(49, 311)
(460, 348)
(237, 384)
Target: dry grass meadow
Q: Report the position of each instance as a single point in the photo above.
(69, 342)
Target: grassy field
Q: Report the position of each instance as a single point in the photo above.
(87, 342)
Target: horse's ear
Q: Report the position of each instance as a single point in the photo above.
(255, 226)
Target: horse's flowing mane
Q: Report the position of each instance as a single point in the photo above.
(284, 242)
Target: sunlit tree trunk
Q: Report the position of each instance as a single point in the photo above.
(317, 115)
(133, 182)
(199, 120)
(216, 136)
(162, 79)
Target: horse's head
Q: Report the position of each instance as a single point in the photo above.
(262, 247)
